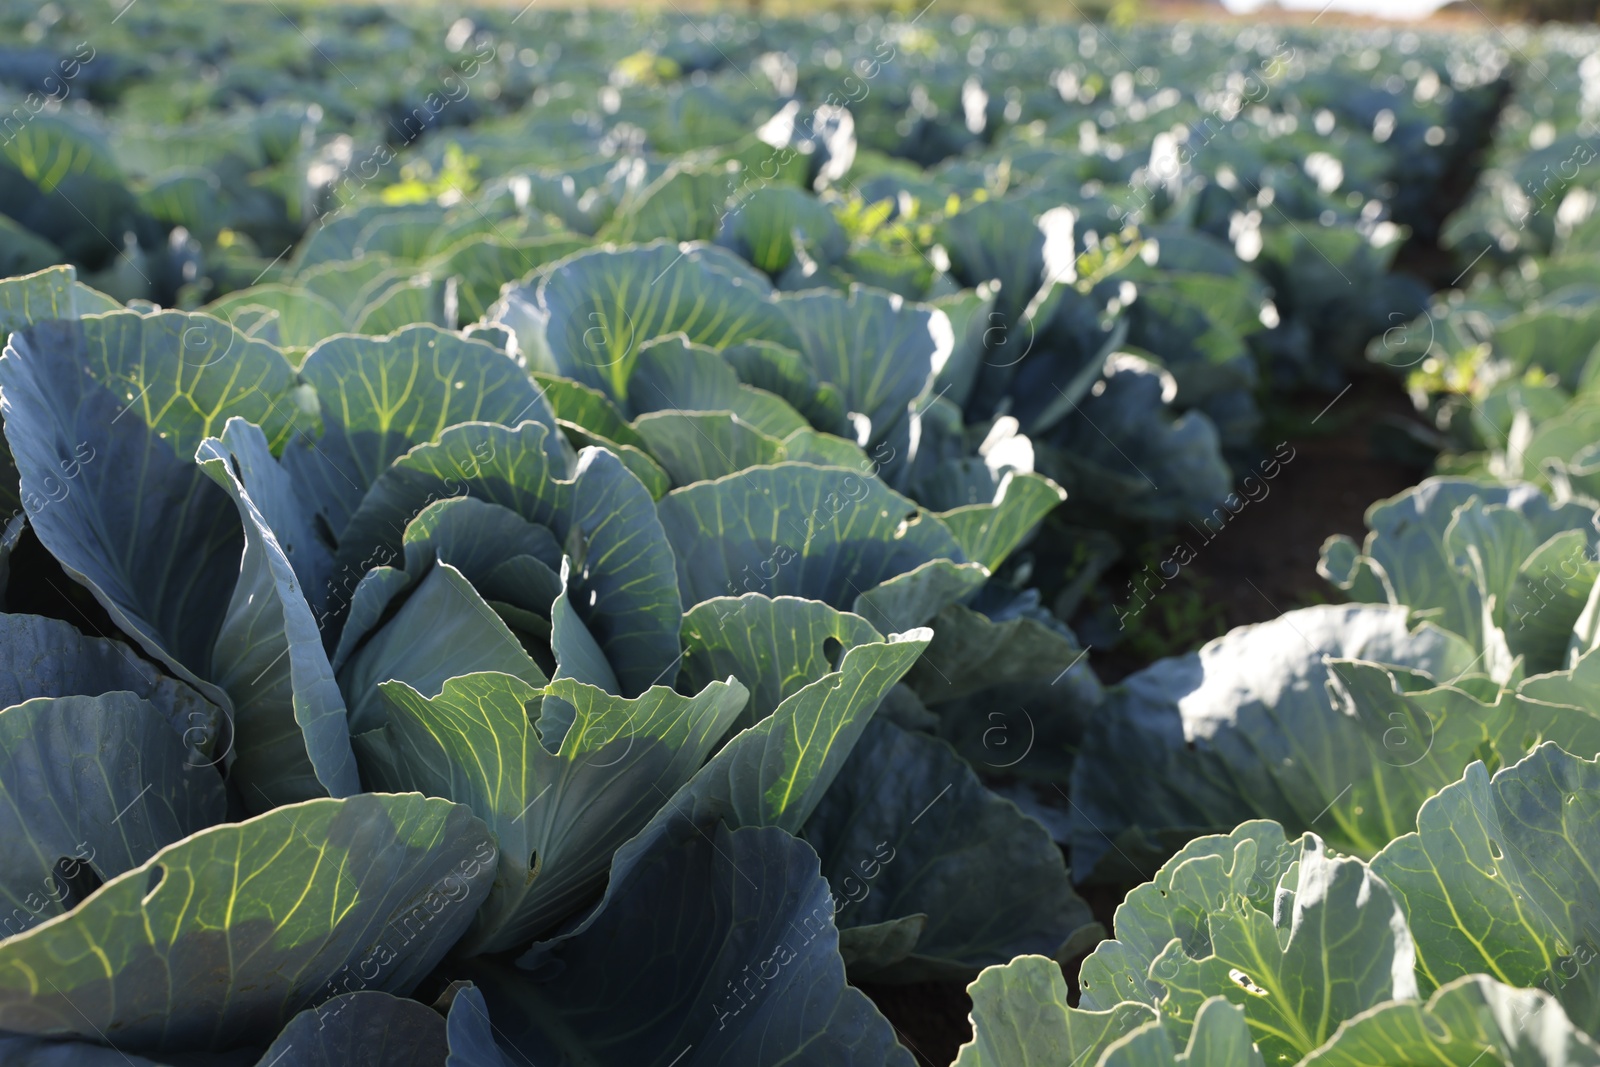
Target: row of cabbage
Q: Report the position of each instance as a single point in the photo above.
(395, 683)
(1271, 177)
(1401, 793)
(424, 626)
(597, 581)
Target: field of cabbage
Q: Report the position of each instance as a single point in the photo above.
(555, 538)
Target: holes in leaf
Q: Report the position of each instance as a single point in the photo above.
(72, 881)
(832, 649)
(158, 874)
(1494, 849)
(1244, 982)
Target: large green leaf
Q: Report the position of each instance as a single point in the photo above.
(775, 645)
(1422, 740)
(879, 351)
(96, 782)
(916, 596)
(1247, 863)
(1220, 1038)
(291, 737)
(623, 584)
(334, 237)
(482, 264)
(1473, 1021)
(441, 628)
(824, 533)
(1444, 547)
(420, 298)
(402, 235)
(1334, 944)
(219, 939)
(343, 283)
(470, 1032)
(684, 204)
(775, 772)
(1554, 339)
(719, 948)
(673, 374)
(786, 374)
(581, 406)
(990, 532)
(558, 805)
(1577, 688)
(1548, 596)
(31, 298)
(1499, 879)
(1020, 1018)
(381, 396)
(769, 223)
(362, 1029)
(700, 446)
(47, 294)
(42, 657)
(300, 317)
(1013, 696)
(104, 416)
(997, 241)
(1246, 728)
(588, 319)
(908, 829)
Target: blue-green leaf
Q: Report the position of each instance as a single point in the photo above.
(1499, 878)
(291, 738)
(220, 939)
(90, 783)
(1020, 1018)
(559, 805)
(720, 947)
(104, 416)
(793, 529)
(907, 829)
(381, 396)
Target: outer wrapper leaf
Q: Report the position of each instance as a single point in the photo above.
(1334, 944)
(721, 949)
(111, 409)
(1500, 879)
(1473, 1021)
(41, 657)
(1020, 1018)
(219, 939)
(1245, 728)
(1220, 1038)
(100, 782)
(824, 533)
(558, 815)
(907, 829)
(381, 396)
(775, 772)
(362, 1029)
(291, 736)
